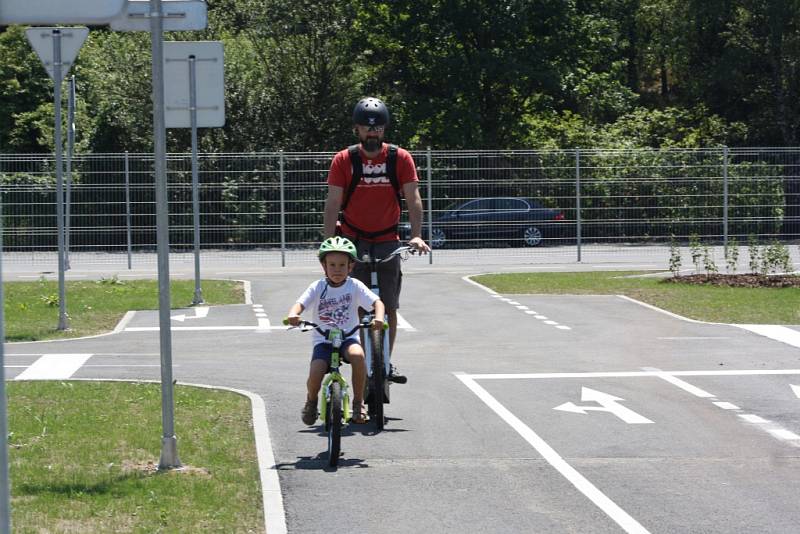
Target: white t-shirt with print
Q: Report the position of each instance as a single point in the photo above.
(336, 306)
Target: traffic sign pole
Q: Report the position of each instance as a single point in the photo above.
(198, 291)
(169, 443)
(57, 78)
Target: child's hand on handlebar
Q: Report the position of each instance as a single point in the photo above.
(293, 320)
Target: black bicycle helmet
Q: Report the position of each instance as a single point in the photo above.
(371, 111)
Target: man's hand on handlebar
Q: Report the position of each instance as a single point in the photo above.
(419, 245)
(377, 324)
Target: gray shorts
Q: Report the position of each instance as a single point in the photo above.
(390, 279)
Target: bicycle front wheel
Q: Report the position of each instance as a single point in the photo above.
(376, 379)
(334, 424)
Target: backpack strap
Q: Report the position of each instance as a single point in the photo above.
(357, 164)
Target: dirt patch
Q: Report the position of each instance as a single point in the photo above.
(737, 280)
(150, 468)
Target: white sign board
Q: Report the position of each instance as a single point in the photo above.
(59, 11)
(209, 86)
(41, 39)
(179, 15)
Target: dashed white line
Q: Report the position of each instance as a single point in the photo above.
(727, 405)
(750, 418)
(54, 367)
(781, 433)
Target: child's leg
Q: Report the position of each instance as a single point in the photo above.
(355, 354)
(316, 373)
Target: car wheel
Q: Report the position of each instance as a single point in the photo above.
(532, 236)
(438, 238)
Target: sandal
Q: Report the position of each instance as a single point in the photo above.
(309, 413)
(359, 416)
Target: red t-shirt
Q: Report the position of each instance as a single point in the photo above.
(373, 205)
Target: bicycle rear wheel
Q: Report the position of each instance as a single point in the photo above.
(334, 424)
(376, 380)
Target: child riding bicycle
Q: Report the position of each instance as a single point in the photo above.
(334, 300)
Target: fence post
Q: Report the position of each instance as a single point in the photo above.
(578, 201)
(429, 173)
(283, 210)
(725, 200)
(128, 207)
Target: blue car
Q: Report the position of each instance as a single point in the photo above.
(496, 220)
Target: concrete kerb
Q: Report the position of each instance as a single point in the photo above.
(272, 500)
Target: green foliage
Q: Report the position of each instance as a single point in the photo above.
(732, 255)
(777, 258)
(754, 252)
(674, 257)
(695, 249)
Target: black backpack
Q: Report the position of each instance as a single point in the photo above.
(358, 170)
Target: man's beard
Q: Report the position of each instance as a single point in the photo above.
(371, 144)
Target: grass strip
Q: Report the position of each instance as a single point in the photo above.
(704, 303)
(95, 307)
(83, 458)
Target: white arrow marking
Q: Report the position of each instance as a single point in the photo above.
(608, 403)
(200, 313)
(796, 390)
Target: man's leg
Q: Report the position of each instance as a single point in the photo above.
(391, 315)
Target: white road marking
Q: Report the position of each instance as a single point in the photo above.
(783, 434)
(779, 333)
(522, 307)
(694, 390)
(200, 328)
(550, 322)
(692, 338)
(531, 312)
(631, 374)
(562, 327)
(608, 403)
(750, 418)
(541, 317)
(581, 483)
(54, 367)
(796, 390)
(727, 405)
(405, 325)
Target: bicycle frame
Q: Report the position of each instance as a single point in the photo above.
(336, 338)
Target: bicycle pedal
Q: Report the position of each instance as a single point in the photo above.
(397, 379)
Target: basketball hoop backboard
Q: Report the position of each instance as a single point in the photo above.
(38, 12)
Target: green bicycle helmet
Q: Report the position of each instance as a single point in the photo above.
(337, 244)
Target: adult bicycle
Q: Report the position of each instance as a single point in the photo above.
(334, 398)
(377, 347)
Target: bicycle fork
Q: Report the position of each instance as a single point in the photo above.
(325, 399)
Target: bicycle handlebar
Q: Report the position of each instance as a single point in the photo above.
(396, 252)
(318, 328)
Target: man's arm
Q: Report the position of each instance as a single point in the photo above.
(414, 205)
(332, 205)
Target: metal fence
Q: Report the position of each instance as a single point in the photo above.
(259, 203)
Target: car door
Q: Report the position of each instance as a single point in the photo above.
(471, 220)
(509, 215)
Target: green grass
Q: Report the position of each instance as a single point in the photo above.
(95, 307)
(82, 458)
(704, 303)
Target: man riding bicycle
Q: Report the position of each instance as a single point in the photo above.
(365, 184)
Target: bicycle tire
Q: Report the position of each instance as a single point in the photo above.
(376, 381)
(334, 424)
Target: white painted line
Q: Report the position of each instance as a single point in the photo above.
(263, 324)
(261, 314)
(469, 280)
(694, 390)
(402, 323)
(727, 405)
(692, 338)
(201, 311)
(581, 483)
(779, 333)
(541, 317)
(783, 434)
(632, 374)
(513, 302)
(550, 322)
(795, 390)
(54, 367)
(562, 327)
(522, 307)
(531, 312)
(750, 418)
(201, 328)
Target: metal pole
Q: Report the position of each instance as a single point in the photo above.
(70, 150)
(282, 167)
(5, 486)
(578, 201)
(128, 207)
(198, 291)
(429, 173)
(169, 443)
(62, 297)
(725, 200)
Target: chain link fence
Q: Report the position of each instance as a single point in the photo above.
(530, 205)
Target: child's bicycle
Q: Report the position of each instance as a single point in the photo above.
(334, 398)
(377, 348)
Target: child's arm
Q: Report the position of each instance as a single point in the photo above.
(380, 311)
(294, 314)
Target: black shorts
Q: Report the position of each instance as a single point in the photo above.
(390, 279)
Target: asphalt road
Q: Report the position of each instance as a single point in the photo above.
(522, 413)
